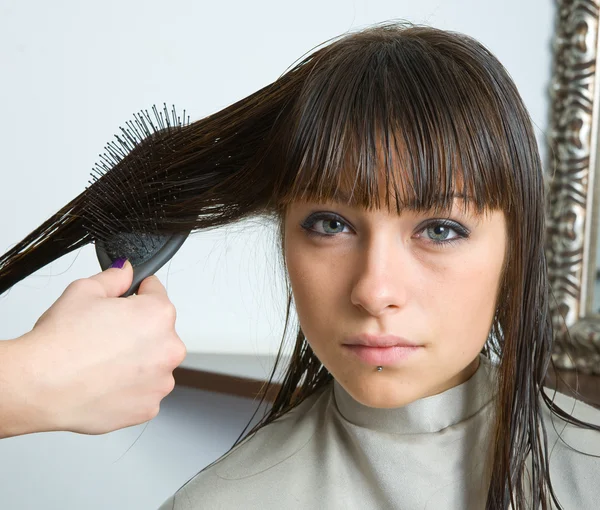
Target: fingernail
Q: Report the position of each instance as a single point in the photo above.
(119, 263)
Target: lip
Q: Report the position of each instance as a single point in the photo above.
(381, 349)
(368, 340)
(382, 355)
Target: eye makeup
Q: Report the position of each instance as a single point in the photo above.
(462, 233)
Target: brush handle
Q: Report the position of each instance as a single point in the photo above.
(151, 263)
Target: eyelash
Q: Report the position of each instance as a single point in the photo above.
(462, 232)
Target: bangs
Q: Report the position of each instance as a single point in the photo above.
(396, 120)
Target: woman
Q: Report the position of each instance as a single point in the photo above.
(410, 201)
(402, 170)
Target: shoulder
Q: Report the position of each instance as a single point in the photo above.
(573, 451)
(226, 482)
(559, 428)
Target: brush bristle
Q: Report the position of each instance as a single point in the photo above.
(136, 247)
(129, 188)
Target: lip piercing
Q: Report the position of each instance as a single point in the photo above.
(379, 369)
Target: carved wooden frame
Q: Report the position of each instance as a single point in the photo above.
(572, 200)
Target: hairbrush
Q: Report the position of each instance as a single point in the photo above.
(146, 252)
(133, 239)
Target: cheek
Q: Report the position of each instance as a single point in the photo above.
(469, 298)
(308, 278)
(314, 289)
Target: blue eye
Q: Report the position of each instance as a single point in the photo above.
(334, 222)
(327, 219)
(446, 227)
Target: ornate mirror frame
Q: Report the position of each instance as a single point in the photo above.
(572, 186)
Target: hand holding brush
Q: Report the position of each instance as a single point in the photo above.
(93, 363)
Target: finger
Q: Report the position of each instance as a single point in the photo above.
(151, 285)
(114, 281)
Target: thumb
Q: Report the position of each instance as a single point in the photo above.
(115, 281)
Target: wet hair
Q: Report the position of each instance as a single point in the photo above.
(419, 113)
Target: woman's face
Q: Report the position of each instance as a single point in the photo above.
(382, 273)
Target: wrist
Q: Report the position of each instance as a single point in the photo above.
(22, 408)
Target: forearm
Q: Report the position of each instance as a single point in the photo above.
(21, 412)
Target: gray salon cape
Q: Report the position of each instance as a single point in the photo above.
(332, 452)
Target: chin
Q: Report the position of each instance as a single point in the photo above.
(382, 395)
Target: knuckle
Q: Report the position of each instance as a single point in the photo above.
(180, 351)
(176, 353)
(153, 412)
(78, 285)
(170, 385)
(166, 311)
(83, 286)
(171, 312)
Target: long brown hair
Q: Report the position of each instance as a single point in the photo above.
(432, 111)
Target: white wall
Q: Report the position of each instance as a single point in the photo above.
(71, 74)
(131, 469)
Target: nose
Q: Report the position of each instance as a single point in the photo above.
(383, 275)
